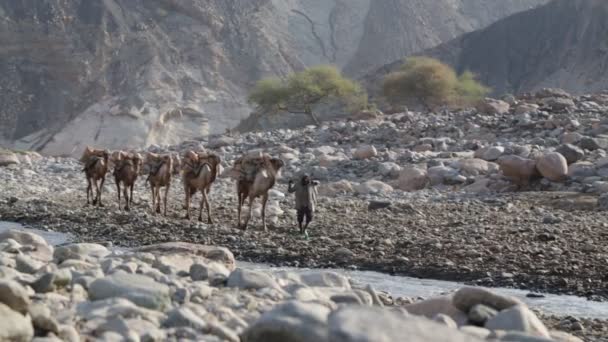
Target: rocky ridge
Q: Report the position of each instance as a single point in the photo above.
(135, 73)
(180, 291)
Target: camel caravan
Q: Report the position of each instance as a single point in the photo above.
(255, 174)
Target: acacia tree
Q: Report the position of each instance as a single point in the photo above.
(300, 92)
(431, 83)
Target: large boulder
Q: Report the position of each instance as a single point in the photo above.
(467, 297)
(342, 187)
(373, 187)
(365, 152)
(412, 179)
(220, 255)
(432, 307)
(490, 153)
(493, 106)
(139, 289)
(8, 158)
(14, 326)
(80, 251)
(473, 166)
(441, 174)
(14, 295)
(389, 169)
(519, 170)
(370, 324)
(552, 166)
(518, 318)
(38, 248)
(291, 321)
(571, 153)
(250, 280)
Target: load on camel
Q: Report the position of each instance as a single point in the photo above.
(200, 170)
(255, 173)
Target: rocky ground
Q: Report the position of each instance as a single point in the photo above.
(182, 291)
(421, 194)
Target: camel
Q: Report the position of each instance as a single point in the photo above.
(199, 172)
(95, 169)
(256, 184)
(160, 171)
(126, 170)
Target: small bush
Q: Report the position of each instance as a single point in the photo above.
(427, 81)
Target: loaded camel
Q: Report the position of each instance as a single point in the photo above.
(256, 175)
(199, 172)
(95, 168)
(126, 170)
(160, 170)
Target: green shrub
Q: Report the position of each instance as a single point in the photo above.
(302, 90)
(427, 81)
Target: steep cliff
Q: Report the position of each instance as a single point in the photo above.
(122, 73)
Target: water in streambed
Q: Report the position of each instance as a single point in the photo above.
(405, 286)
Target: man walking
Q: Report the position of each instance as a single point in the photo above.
(306, 198)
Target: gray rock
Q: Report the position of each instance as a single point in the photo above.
(25, 264)
(518, 318)
(215, 273)
(324, 279)
(42, 318)
(593, 144)
(14, 295)
(571, 153)
(40, 249)
(250, 280)
(45, 283)
(369, 324)
(467, 297)
(480, 314)
(15, 326)
(290, 321)
(141, 290)
(184, 317)
(80, 251)
(113, 307)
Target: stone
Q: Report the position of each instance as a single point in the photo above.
(373, 187)
(128, 327)
(25, 264)
(581, 170)
(114, 307)
(432, 307)
(479, 314)
(41, 250)
(593, 144)
(341, 187)
(377, 205)
(42, 318)
(412, 179)
(291, 321)
(519, 170)
(80, 251)
(250, 280)
(389, 169)
(490, 153)
(139, 289)
(524, 108)
(8, 158)
(493, 107)
(369, 324)
(571, 153)
(14, 295)
(518, 318)
(68, 333)
(181, 249)
(365, 152)
(184, 317)
(440, 174)
(324, 279)
(472, 166)
(445, 320)
(560, 336)
(467, 297)
(214, 272)
(14, 326)
(479, 332)
(558, 103)
(45, 283)
(552, 166)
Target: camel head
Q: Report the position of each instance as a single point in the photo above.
(277, 164)
(137, 161)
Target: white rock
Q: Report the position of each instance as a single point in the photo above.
(412, 179)
(373, 187)
(141, 290)
(14, 326)
(518, 318)
(365, 152)
(553, 166)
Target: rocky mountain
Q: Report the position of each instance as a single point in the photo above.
(122, 73)
(561, 44)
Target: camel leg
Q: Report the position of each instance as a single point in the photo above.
(131, 196)
(103, 179)
(238, 210)
(200, 209)
(165, 199)
(248, 217)
(117, 190)
(157, 192)
(209, 220)
(89, 190)
(264, 201)
(153, 197)
(95, 186)
(126, 190)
